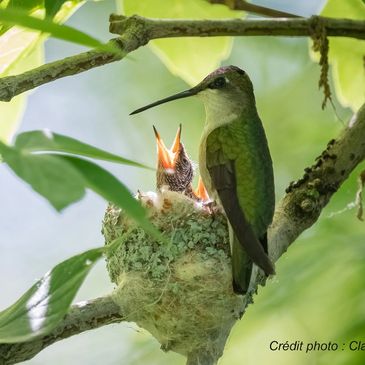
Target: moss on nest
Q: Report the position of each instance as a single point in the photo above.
(181, 292)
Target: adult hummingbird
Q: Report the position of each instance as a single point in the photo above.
(236, 167)
(174, 168)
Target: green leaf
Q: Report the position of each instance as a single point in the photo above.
(17, 17)
(347, 55)
(29, 5)
(110, 188)
(49, 175)
(20, 50)
(12, 112)
(189, 58)
(62, 180)
(45, 304)
(47, 141)
(53, 6)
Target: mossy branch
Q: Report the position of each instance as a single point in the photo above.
(136, 31)
(298, 210)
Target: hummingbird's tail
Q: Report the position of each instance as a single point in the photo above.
(241, 266)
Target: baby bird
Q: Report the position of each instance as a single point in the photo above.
(174, 168)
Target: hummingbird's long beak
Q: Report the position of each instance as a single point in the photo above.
(183, 94)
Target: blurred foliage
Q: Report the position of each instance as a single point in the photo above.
(22, 50)
(62, 177)
(190, 58)
(346, 55)
(11, 112)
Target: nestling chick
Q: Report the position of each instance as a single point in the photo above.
(174, 167)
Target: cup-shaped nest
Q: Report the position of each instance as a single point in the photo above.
(179, 290)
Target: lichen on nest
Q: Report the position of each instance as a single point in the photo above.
(180, 291)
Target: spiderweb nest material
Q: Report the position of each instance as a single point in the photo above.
(180, 291)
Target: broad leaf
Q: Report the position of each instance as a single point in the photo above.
(62, 180)
(190, 58)
(109, 187)
(49, 175)
(45, 304)
(347, 55)
(47, 141)
(17, 17)
(20, 50)
(27, 5)
(53, 6)
(12, 112)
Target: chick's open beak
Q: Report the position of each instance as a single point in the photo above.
(176, 144)
(201, 192)
(165, 157)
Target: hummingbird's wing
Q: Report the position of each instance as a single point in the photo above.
(224, 181)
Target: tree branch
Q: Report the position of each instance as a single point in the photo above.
(252, 8)
(298, 210)
(82, 317)
(137, 31)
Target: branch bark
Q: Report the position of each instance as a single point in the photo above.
(82, 317)
(137, 31)
(298, 210)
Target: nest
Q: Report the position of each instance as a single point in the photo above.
(180, 291)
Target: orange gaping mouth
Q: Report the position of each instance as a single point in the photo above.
(167, 157)
(201, 192)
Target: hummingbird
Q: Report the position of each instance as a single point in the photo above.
(174, 167)
(236, 166)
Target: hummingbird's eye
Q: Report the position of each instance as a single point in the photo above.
(218, 83)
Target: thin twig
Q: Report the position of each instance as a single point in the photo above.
(137, 31)
(252, 8)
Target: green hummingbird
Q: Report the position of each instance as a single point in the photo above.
(236, 167)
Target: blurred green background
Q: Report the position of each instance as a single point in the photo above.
(319, 291)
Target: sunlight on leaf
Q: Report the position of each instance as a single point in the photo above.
(14, 44)
(347, 55)
(45, 304)
(11, 112)
(189, 58)
(21, 50)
